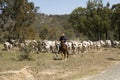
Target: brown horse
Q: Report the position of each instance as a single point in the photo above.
(63, 49)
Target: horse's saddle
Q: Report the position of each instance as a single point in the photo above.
(63, 46)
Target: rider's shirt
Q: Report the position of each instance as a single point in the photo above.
(62, 38)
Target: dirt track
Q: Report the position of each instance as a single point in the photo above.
(111, 73)
(22, 74)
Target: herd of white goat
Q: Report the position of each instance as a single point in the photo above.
(53, 46)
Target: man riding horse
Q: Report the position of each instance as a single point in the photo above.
(62, 38)
(63, 46)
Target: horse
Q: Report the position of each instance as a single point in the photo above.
(63, 50)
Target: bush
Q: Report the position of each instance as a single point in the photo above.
(25, 53)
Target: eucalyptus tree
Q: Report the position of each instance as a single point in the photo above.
(116, 19)
(96, 21)
(106, 22)
(78, 19)
(5, 18)
(16, 14)
(94, 9)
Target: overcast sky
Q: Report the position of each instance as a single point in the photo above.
(63, 6)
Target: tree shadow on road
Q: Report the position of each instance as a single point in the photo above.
(112, 59)
(118, 53)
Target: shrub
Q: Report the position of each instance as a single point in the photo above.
(25, 53)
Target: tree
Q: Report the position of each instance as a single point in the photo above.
(16, 14)
(77, 20)
(36, 9)
(94, 9)
(116, 18)
(106, 22)
(93, 21)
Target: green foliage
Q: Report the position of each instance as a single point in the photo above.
(25, 33)
(96, 21)
(16, 15)
(116, 19)
(78, 19)
(50, 27)
(25, 53)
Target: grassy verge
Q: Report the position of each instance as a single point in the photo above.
(46, 68)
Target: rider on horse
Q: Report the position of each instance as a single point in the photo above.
(62, 39)
(63, 46)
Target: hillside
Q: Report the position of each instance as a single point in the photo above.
(53, 24)
(50, 20)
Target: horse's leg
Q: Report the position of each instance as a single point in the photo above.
(67, 54)
(62, 55)
(56, 53)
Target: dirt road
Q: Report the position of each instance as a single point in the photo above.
(111, 73)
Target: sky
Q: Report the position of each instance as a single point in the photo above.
(63, 6)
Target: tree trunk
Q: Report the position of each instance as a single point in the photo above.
(119, 34)
(106, 34)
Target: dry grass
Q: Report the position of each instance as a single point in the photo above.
(44, 67)
(77, 66)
